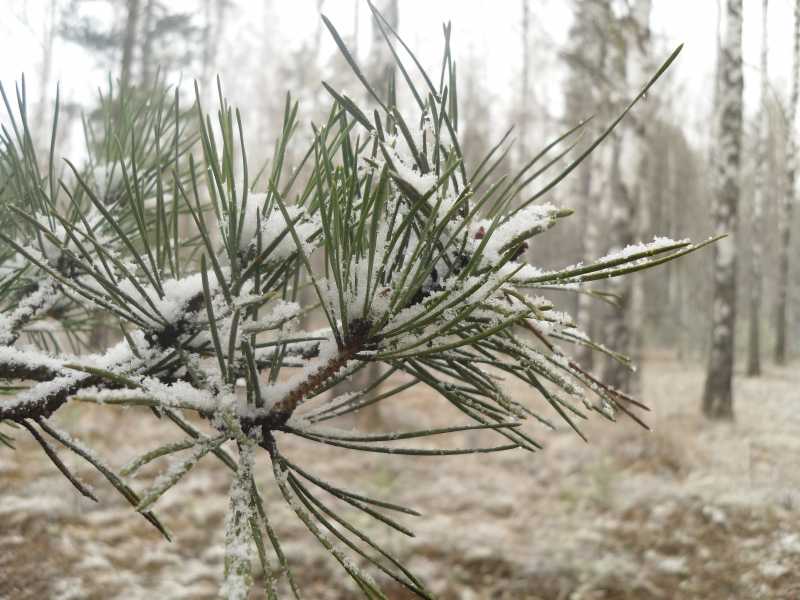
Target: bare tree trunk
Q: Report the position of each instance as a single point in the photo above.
(586, 57)
(382, 65)
(129, 43)
(781, 312)
(354, 44)
(148, 68)
(583, 315)
(675, 202)
(525, 91)
(718, 392)
(100, 333)
(715, 97)
(638, 308)
(265, 76)
(757, 246)
(621, 212)
(640, 198)
(372, 418)
(681, 320)
(205, 60)
(214, 14)
(218, 30)
(42, 130)
(626, 214)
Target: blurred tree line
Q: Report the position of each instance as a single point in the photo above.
(655, 176)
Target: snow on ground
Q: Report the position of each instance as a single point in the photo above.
(692, 510)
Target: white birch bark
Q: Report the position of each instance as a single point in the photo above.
(626, 215)
(48, 43)
(759, 194)
(525, 91)
(718, 392)
(640, 69)
(586, 60)
(129, 43)
(787, 204)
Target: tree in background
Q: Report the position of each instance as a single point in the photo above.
(677, 179)
(626, 199)
(45, 72)
(141, 37)
(381, 70)
(476, 101)
(214, 16)
(525, 98)
(381, 67)
(130, 31)
(718, 391)
(586, 93)
(787, 203)
(759, 193)
(607, 58)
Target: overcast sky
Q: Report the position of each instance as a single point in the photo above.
(488, 29)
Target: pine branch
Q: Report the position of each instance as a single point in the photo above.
(411, 262)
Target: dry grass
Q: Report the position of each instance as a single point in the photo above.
(691, 510)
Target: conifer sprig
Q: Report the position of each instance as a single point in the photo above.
(412, 262)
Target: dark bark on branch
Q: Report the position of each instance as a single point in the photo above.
(283, 409)
(25, 372)
(45, 407)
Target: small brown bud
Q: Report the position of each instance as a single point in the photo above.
(520, 250)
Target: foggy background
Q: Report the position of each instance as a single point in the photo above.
(692, 510)
(261, 49)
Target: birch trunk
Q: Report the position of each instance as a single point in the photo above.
(148, 68)
(583, 315)
(627, 217)
(382, 64)
(354, 50)
(372, 418)
(48, 42)
(786, 209)
(757, 248)
(586, 58)
(616, 330)
(129, 43)
(205, 57)
(718, 392)
(525, 91)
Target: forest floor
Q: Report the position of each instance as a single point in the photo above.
(690, 510)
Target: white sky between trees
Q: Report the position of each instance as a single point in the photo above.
(489, 31)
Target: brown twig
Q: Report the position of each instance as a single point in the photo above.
(284, 408)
